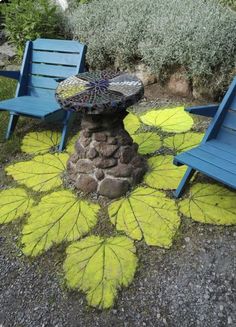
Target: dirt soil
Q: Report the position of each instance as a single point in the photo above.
(192, 284)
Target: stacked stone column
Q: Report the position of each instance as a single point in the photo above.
(106, 160)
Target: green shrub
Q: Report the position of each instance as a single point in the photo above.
(229, 3)
(27, 19)
(197, 34)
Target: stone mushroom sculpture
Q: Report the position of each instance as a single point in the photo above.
(106, 160)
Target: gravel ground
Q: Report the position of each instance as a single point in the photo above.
(192, 284)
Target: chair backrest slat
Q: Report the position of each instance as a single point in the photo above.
(51, 70)
(56, 58)
(43, 82)
(45, 60)
(41, 92)
(58, 45)
(227, 136)
(230, 120)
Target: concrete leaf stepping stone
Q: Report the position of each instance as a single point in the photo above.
(210, 204)
(163, 173)
(59, 217)
(14, 203)
(99, 267)
(146, 213)
(40, 142)
(71, 143)
(148, 142)
(132, 123)
(183, 142)
(42, 173)
(172, 120)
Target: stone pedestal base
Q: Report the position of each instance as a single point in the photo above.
(105, 159)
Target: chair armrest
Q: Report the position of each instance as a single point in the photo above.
(15, 74)
(207, 111)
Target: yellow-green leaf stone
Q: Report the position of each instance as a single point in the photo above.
(131, 123)
(172, 120)
(183, 142)
(60, 216)
(40, 142)
(99, 267)
(146, 213)
(163, 173)
(148, 142)
(71, 144)
(14, 203)
(210, 204)
(42, 173)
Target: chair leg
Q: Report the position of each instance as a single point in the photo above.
(11, 125)
(70, 116)
(187, 176)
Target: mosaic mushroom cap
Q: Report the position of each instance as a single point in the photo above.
(99, 92)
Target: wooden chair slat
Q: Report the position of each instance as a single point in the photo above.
(41, 92)
(221, 150)
(227, 136)
(217, 173)
(215, 159)
(230, 120)
(58, 45)
(52, 70)
(43, 82)
(56, 58)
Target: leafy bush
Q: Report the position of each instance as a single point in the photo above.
(27, 19)
(197, 34)
(229, 3)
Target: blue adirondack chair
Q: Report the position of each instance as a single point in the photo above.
(45, 63)
(216, 155)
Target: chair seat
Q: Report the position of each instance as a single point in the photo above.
(214, 159)
(31, 106)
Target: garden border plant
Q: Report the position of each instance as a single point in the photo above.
(229, 3)
(28, 20)
(196, 35)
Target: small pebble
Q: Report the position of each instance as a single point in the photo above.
(206, 296)
(230, 320)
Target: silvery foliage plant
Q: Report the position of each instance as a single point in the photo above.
(197, 34)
